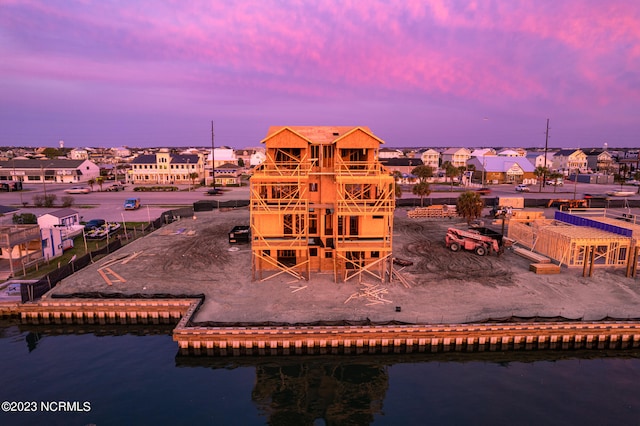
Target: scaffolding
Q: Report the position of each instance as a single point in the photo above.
(321, 202)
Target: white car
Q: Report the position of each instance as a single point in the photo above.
(77, 190)
(522, 188)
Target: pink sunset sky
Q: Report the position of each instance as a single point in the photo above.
(416, 72)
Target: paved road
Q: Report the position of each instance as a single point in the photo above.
(109, 205)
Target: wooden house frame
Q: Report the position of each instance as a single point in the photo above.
(572, 245)
(20, 247)
(321, 203)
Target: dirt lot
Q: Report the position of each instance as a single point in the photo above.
(193, 256)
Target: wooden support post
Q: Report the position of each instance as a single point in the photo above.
(592, 260)
(585, 260)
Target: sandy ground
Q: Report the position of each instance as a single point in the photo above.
(193, 256)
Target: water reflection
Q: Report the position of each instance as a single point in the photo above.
(457, 387)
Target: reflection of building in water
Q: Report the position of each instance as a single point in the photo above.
(338, 393)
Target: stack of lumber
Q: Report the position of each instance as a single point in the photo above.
(373, 293)
(530, 255)
(435, 211)
(545, 268)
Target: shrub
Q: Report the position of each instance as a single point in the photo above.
(38, 200)
(50, 200)
(25, 219)
(155, 188)
(67, 201)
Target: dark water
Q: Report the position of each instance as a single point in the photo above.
(141, 379)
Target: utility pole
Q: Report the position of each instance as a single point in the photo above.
(546, 145)
(213, 158)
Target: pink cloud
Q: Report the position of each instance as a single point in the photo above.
(479, 52)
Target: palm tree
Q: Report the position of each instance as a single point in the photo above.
(422, 172)
(421, 189)
(450, 171)
(554, 177)
(193, 176)
(469, 205)
(100, 181)
(397, 189)
(91, 182)
(540, 173)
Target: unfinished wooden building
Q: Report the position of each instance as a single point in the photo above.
(20, 247)
(321, 202)
(575, 239)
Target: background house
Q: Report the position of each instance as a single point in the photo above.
(456, 156)
(568, 161)
(165, 168)
(431, 158)
(498, 169)
(49, 170)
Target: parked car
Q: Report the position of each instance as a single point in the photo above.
(522, 188)
(132, 203)
(94, 223)
(483, 191)
(595, 196)
(77, 190)
(116, 187)
(555, 182)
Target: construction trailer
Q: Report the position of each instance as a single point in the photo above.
(321, 202)
(577, 240)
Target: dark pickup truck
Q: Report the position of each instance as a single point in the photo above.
(240, 234)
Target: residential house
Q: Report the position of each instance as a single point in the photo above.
(66, 219)
(321, 202)
(221, 155)
(228, 174)
(165, 168)
(456, 156)
(570, 161)
(599, 160)
(257, 158)
(384, 153)
(538, 159)
(57, 230)
(79, 154)
(121, 152)
(500, 169)
(510, 153)
(481, 152)
(431, 158)
(404, 166)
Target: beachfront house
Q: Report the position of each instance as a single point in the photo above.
(321, 202)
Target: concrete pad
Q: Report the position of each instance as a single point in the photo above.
(192, 256)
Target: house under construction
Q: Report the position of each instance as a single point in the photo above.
(584, 237)
(321, 202)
